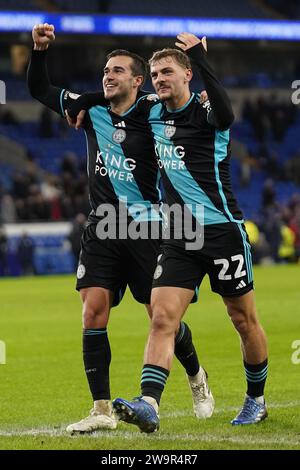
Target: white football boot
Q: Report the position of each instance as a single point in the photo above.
(102, 417)
(203, 401)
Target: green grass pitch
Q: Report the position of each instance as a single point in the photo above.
(43, 386)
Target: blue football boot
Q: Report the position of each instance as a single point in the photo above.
(138, 412)
(251, 413)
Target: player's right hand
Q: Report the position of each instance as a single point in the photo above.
(42, 35)
(189, 40)
(203, 96)
(76, 122)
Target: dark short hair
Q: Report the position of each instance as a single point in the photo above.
(180, 57)
(138, 66)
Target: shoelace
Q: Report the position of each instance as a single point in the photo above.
(249, 407)
(200, 390)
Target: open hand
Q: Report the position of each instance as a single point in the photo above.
(188, 40)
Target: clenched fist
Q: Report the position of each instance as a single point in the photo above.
(42, 35)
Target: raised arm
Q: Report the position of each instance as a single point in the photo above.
(38, 80)
(222, 115)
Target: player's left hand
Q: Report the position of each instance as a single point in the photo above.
(188, 40)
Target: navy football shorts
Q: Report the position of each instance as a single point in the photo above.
(225, 257)
(114, 264)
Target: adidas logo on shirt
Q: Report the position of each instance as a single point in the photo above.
(120, 124)
(241, 284)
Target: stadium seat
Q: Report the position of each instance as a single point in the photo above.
(53, 261)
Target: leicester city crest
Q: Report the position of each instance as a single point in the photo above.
(119, 136)
(170, 131)
(158, 271)
(80, 271)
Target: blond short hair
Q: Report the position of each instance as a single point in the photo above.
(180, 57)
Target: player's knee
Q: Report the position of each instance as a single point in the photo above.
(163, 320)
(94, 316)
(241, 325)
(243, 321)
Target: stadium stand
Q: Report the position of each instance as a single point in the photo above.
(79, 6)
(217, 9)
(43, 162)
(51, 252)
(286, 8)
(95, 6)
(18, 5)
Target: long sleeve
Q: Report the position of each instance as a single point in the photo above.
(222, 115)
(88, 100)
(39, 84)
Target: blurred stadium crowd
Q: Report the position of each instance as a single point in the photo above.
(216, 8)
(43, 162)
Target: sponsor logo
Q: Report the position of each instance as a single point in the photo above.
(170, 151)
(206, 105)
(241, 285)
(170, 156)
(73, 96)
(114, 165)
(68, 94)
(120, 124)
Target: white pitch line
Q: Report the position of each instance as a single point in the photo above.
(133, 436)
(184, 413)
(60, 432)
(203, 438)
(35, 432)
